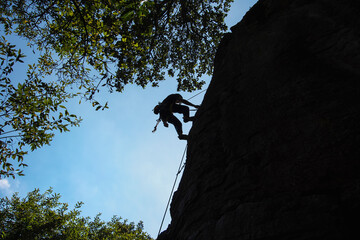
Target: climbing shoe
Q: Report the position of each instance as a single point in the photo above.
(183, 137)
(187, 119)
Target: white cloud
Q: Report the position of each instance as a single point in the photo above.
(5, 187)
(8, 187)
(4, 184)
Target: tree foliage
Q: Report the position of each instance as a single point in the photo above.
(89, 44)
(125, 41)
(43, 216)
(30, 111)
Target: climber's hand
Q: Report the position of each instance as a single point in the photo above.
(166, 124)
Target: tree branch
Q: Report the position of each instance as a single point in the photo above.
(11, 136)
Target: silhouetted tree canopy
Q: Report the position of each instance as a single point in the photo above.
(43, 216)
(30, 110)
(125, 41)
(88, 44)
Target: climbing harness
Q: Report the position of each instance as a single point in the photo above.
(181, 167)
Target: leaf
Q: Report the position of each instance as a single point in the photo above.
(128, 16)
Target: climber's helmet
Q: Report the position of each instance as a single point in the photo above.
(157, 109)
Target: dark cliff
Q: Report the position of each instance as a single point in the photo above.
(275, 150)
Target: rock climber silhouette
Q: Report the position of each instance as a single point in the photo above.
(170, 105)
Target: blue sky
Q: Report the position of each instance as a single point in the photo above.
(113, 162)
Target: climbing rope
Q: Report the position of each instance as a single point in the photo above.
(197, 94)
(181, 167)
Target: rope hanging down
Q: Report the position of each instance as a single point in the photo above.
(181, 167)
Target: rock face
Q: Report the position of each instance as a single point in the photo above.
(275, 150)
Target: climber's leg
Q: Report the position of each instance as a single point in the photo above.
(183, 110)
(178, 126)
